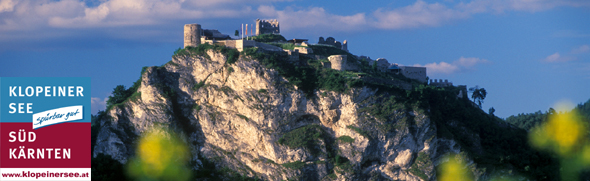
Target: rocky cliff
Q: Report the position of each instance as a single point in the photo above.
(248, 118)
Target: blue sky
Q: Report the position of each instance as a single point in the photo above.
(528, 54)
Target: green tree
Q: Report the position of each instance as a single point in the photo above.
(478, 94)
(551, 111)
(118, 95)
(237, 33)
(177, 51)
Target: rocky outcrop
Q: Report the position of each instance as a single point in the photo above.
(235, 115)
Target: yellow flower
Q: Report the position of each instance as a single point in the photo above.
(453, 170)
(562, 134)
(160, 155)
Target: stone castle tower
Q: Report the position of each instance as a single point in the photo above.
(192, 35)
(338, 62)
(267, 27)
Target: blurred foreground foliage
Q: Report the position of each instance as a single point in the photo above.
(161, 155)
(565, 134)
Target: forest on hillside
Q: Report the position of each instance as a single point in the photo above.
(528, 121)
(564, 126)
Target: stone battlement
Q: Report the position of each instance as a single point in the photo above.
(440, 83)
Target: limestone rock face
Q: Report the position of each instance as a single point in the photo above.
(235, 115)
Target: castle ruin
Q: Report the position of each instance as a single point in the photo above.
(267, 27)
(439, 83)
(303, 50)
(192, 35)
(417, 73)
(338, 62)
(382, 64)
(332, 42)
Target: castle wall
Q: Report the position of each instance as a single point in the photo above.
(440, 83)
(267, 27)
(241, 44)
(338, 62)
(338, 45)
(237, 44)
(212, 42)
(418, 73)
(303, 50)
(192, 35)
(293, 56)
(332, 42)
(327, 65)
(230, 43)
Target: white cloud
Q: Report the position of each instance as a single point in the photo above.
(500, 6)
(34, 18)
(313, 17)
(416, 15)
(581, 49)
(469, 62)
(419, 14)
(76, 14)
(461, 65)
(27, 14)
(126, 13)
(440, 68)
(6, 5)
(553, 58)
(556, 57)
(98, 104)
